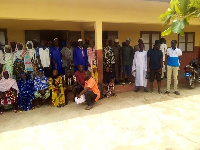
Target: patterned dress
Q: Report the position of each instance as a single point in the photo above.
(108, 57)
(8, 57)
(58, 95)
(19, 63)
(26, 94)
(41, 83)
(91, 57)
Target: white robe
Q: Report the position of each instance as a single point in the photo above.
(140, 66)
(163, 48)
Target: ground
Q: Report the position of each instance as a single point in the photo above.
(130, 121)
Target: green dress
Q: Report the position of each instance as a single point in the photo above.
(8, 66)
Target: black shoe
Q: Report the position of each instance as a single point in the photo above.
(177, 93)
(167, 92)
(145, 90)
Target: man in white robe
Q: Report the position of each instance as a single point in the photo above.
(139, 69)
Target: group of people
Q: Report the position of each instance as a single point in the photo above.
(32, 75)
(35, 73)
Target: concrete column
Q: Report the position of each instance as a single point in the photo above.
(99, 51)
(83, 36)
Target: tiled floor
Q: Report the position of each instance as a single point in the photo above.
(130, 121)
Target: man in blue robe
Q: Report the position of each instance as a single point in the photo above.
(80, 56)
(56, 57)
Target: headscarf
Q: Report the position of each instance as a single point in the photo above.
(6, 84)
(29, 42)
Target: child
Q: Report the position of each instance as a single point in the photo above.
(70, 85)
(80, 78)
(8, 57)
(56, 86)
(109, 85)
(95, 73)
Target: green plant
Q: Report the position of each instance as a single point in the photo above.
(179, 15)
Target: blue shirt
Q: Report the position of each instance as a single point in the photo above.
(173, 57)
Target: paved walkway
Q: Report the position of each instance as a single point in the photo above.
(131, 121)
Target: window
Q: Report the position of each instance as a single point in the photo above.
(3, 38)
(186, 42)
(149, 38)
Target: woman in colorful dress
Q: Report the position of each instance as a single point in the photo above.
(8, 57)
(19, 61)
(29, 58)
(95, 73)
(26, 92)
(91, 55)
(8, 92)
(41, 86)
(56, 86)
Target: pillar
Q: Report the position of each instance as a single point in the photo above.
(99, 51)
(83, 35)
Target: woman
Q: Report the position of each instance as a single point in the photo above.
(19, 61)
(8, 57)
(109, 85)
(30, 57)
(41, 86)
(26, 92)
(56, 86)
(95, 73)
(8, 92)
(91, 55)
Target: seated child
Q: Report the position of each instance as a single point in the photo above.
(56, 86)
(108, 80)
(80, 79)
(41, 86)
(69, 84)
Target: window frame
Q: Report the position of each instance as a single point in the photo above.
(150, 36)
(186, 41)
(6, 37)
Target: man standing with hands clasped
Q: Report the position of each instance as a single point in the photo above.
(155, 64)
(173, 57)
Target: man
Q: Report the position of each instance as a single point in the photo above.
(139, 69)
(67, 57)
(127, 53)
(108, 56)
(91, 91)
(173, 63)
(117, 49)
(155, 63)
(43, 56)
(163, 48)
(80, 56)
(56, 57)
